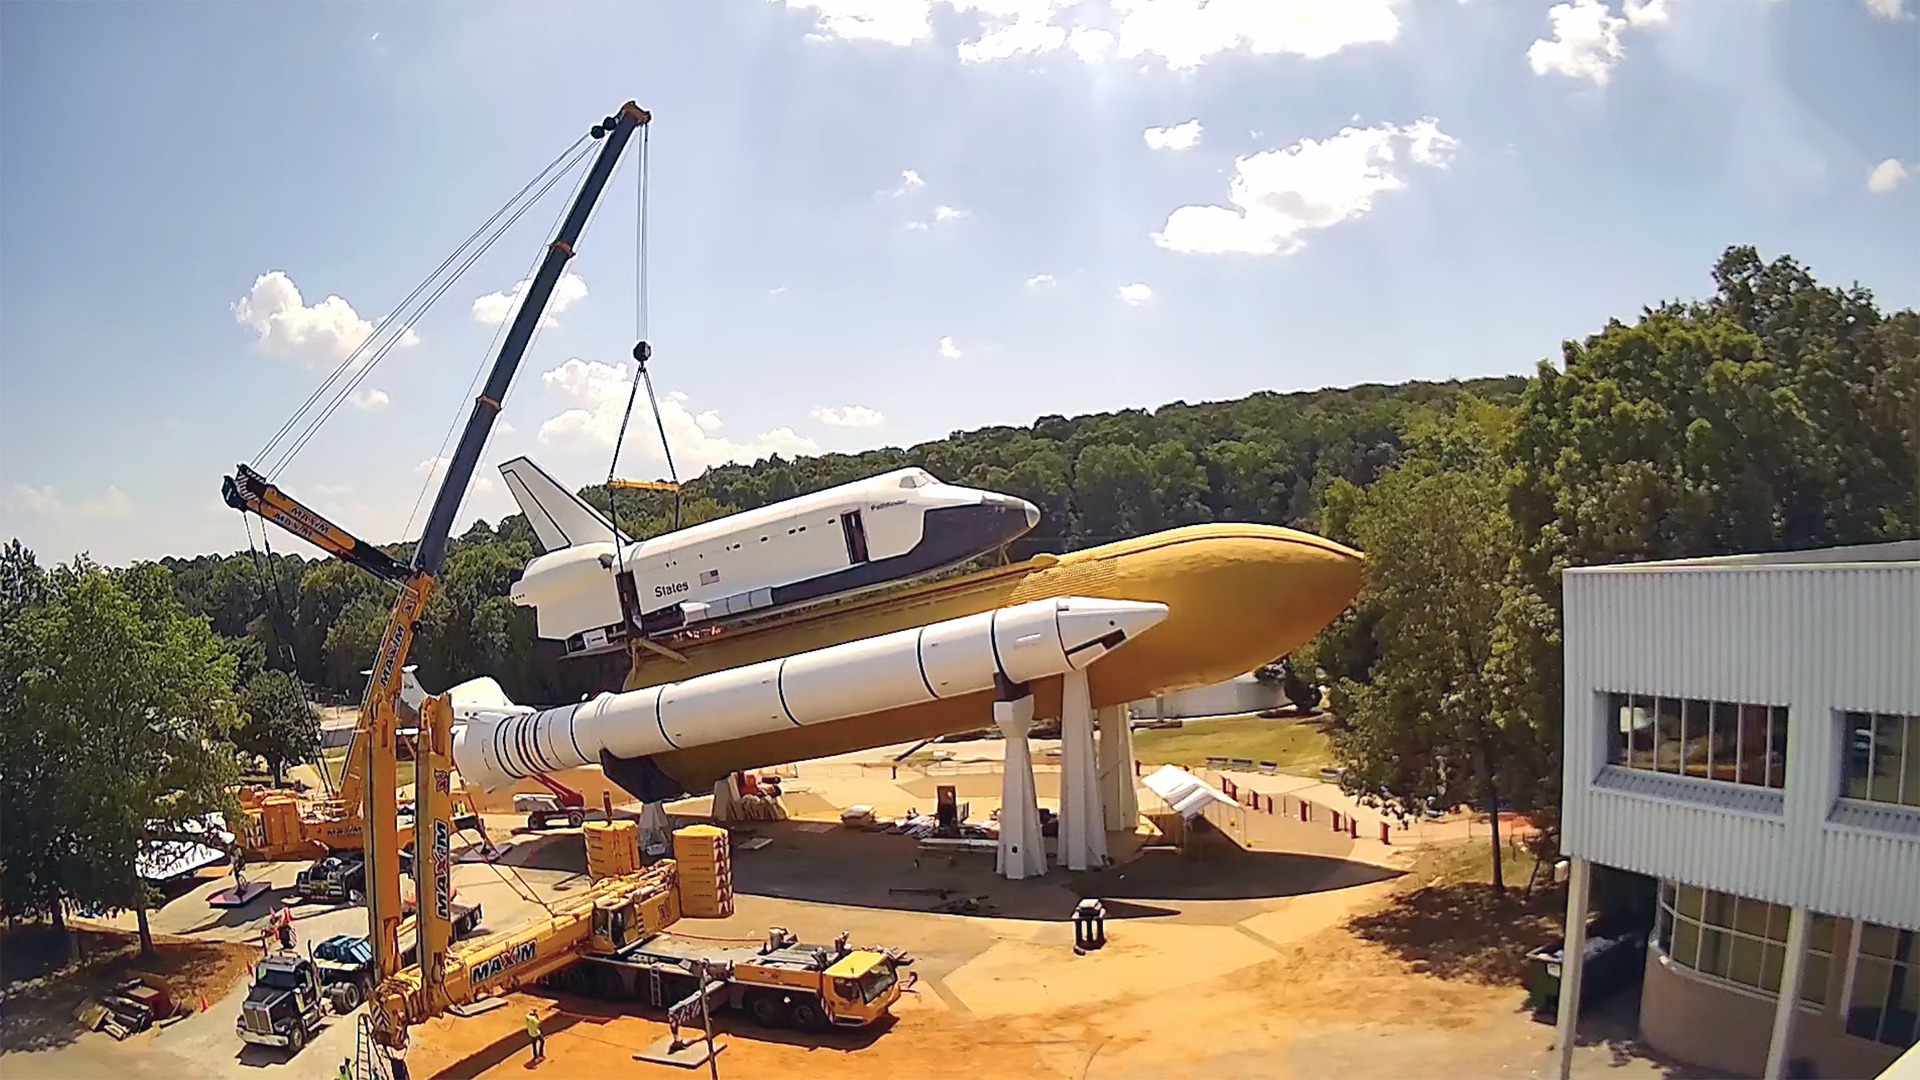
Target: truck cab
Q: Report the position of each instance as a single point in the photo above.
(338, 878)
(282, 1007)
(859, 988)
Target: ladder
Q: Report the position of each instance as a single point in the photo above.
(370, 1060)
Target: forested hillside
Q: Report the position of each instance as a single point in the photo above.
(1096, 478)
(1776, 414)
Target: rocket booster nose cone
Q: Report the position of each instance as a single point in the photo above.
(1092, 628)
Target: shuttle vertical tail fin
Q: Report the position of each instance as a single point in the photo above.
(559, 518)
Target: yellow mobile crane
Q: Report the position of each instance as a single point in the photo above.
(377, 732)
(618, 920)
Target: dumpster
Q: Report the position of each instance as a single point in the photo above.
(1612, 961)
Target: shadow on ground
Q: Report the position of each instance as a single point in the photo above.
(574, 1011)
(44, 982)
(885, 871)
(1461, 931)
(1226, 872)
(1613, 1022)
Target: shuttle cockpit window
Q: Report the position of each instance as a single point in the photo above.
(916, 479)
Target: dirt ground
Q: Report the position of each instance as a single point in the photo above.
(1284, 950)
(1221, 962)
(46, 977)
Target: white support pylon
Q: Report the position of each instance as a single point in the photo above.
(1023, 852)
(1083, 825)
(656, 829)
(1119, 791)
(726, 798)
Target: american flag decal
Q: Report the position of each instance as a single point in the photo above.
(708, 577)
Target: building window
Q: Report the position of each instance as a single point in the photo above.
(1883, 758)
(1713, 740)
(1740, 941)
(1884, 1000)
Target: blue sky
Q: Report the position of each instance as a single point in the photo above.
(1376, 191)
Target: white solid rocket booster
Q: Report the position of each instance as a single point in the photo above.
(1029, 641)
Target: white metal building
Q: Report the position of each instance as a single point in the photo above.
(1747, 730)
(1240, 694)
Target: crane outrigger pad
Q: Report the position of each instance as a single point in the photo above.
(686, 1055)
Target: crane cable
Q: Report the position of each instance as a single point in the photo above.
(395, 339)
(277, 606)
(642, 352)
(387, 322)
(480, 370)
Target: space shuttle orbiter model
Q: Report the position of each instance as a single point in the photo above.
(593, 584)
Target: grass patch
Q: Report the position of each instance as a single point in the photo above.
(1298, 745)
(334, 762)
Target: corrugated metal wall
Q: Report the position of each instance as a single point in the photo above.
(1817, 639)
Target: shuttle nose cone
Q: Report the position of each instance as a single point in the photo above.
(1033, 513)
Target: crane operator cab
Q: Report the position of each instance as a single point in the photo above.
(860, 987)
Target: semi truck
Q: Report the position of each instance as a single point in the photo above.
(282, 1007)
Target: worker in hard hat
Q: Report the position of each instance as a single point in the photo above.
(533, 1035)
(346, 1069)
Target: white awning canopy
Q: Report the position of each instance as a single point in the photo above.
(1186, 793)
(161, 860)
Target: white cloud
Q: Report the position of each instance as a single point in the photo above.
(597, 396)
(1182, 33)
(1011, 39)
(1586, 38)
(1893, 10)
(949, 350)
(504, 427)
(1887, 175)
(1185, 33)
(777, 290)
(1178, 137)
(853, 416)
(941, 215)
(45, 502)
(1039, 281)
(1277, 195)
(1135, 295)
(497, 307)
(369, 400)
(1648, 14)
(1089, 44)
(321, 334)
(910, 182)
(432, 469)
(895, 22)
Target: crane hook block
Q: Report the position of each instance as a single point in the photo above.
(642, 352)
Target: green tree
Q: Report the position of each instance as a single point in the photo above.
(1421, 730)
(124, 705)
(276, 722)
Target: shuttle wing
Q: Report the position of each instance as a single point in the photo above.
(559, 517)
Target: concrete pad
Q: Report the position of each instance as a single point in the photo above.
(689, 1056)
(1297, 917)
(1041, 974)
(237, 896)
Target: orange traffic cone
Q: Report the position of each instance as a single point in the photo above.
(204, 1007)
